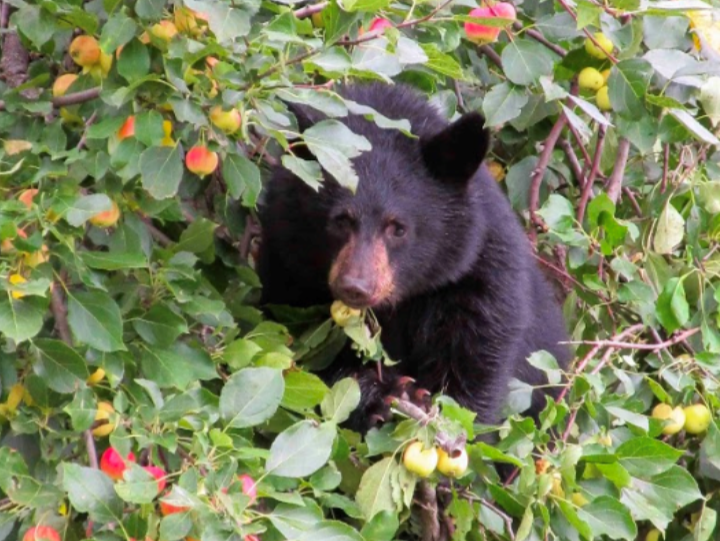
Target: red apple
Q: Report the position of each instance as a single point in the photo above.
(248, 486)
(252, 538)
(41, 533)
(201, 161)
(113, 464)
(379, 24)
(159, 474)
(127, 129)
(169, 509)
(26, 197)
(486, 34)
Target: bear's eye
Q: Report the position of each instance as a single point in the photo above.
(343, 222)
(395, 229)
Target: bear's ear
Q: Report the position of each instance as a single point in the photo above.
(455, 153)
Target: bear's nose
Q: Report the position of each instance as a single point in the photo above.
(355, 292)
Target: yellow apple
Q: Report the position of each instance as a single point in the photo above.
(419, 460)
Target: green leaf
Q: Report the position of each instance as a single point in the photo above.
(198, 237)
(503, 103)
(627, 85)
(375, 493)
(95, 319)
(331, 530)
(242, 178)
(308, 171)
(175, 526)
(644, 457)
(22, 319)
(112, 261)
(134, 61)
(91, 491)
(251, 396)
(82, 409)
(442, 63)
(700, 132)
(301, 450)
(341, 401)
(118, 30)
(160, 326)
(333, 144)
(162, 170)
(303, 391)
(670, 230)
(85, 207)
(672, 309)
(137, 486)
(706, 525)
(36, 23)
(607, 516)
(59, 365)
(292, 521)
(525, 61)
(176, 366)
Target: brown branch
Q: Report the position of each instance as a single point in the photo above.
(91, 450)
(15, 60)
(666, 161)
(492, 55)
(83, 139)
(59, 311)
(587, 188)
(504, 516)
(70, 99)
(428, 504)
(614, 183)
(567, 8)
(614, 343)
(581, 145)
(158, 235)
(4, 15)
(572, 159)
(537, 36)
(635, 205)
(311, 9)
(539, 171)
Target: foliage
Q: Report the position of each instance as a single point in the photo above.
(622, 207)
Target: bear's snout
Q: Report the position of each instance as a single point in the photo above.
(361, 275)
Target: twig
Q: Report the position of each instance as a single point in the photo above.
(539, 171)
(506, 519)
(309, 10)
(572, 159)
(635, 205)
(666, 161)
(567, 8)
(580, 145)
(428, 505)
(91, 450)
(4, 15)
(587, 189)
(59, 310)
(158, 235)
(452, 446)
(492, 55)
(537, 36)
(676, 339)
(458, 95)
(83, 139)
(70, 99)
(614, 182)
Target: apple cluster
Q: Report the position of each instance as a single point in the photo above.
(424, 461)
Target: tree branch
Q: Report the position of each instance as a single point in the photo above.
(537, 36)
(453, 446)
(70, 99)
(614, 183)
(428, 504)
(310, 9)
(539, 172)
(59, 311)
(492, 55)
(587, 188)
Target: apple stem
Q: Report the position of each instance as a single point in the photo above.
(450, 445)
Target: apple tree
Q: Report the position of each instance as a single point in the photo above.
(145, 395)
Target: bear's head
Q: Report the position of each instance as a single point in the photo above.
(414, 222)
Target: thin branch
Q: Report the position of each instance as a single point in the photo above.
(4, 15)
(451, 445)
(428, 504)
(567, 8)
(614, 183)
(587, 189)
(310, 9)
(537, 36)
(91, 450)
(676, 339)
(59, 311)
(572, 159)
(70, 99)
(666, 161)
(539, 172)
(506, 518)
(635, 205)
(158, 235)
(83, 139)
(492, 55)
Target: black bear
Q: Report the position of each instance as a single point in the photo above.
(430, 243)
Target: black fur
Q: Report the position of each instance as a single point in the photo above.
(469, 304)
